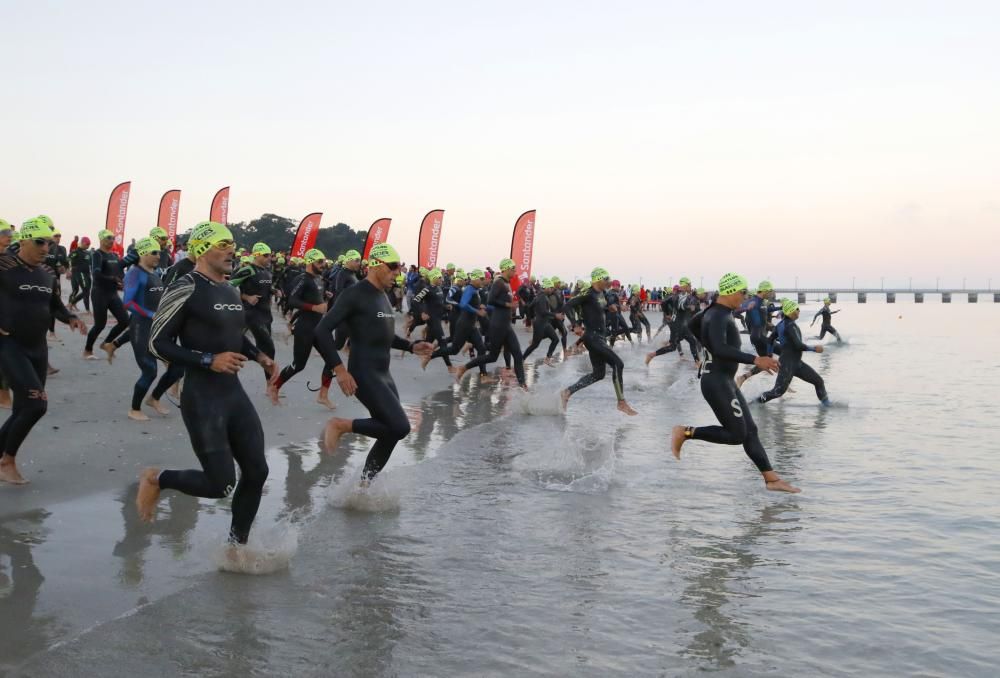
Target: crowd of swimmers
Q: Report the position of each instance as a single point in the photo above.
(208, 310)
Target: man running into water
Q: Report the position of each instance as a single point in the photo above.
(255, 284)
(307, 299)
(465, 328)
(199, 326)
(721, 340)
(826, 314)
(501, 329)
(79, 264)
(542, 316)
(143, 289)
(589, 310)
(367, 313)
(108, 279)
(28, 302)
(757, 311)
(789, 338)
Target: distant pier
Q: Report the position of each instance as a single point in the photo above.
(890, 294)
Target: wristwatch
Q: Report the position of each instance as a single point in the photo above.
(206, 359)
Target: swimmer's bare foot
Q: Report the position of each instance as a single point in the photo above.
(451, 369)
(487, 379)
(564, 396)
(424, 361)
(776, 484)
(89, 355)
(677, 437)
(149, 494)
(649, 357)
(9, 472)
(175, 391)
(110, 349)
(459, 373)
(51, 370)
(272, 393)
(324, 398)
(623, 406)
(137, 415)
(335, 428)
(157, 406)
(548, 361)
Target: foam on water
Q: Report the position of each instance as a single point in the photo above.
(541, 404)
(270, 549)
(381, 495)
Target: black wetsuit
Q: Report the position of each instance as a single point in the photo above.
(637, 316)
(198, 318)
(304, 296)
(557, 304)
(826, 314)
(28, 302)
(367, 313)
(107, 271)
(501, 330)
(79, 261)
(686, 305)
(789, 336)
(465, 327)
(143, 290)
(431, 301)
(616, 321)
(541, 313)
(591, 309)
(57, 260)
(254, 280)
(721, 339)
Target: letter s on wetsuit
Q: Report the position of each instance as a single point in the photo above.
(370, 320)
(721, 340)
(206, 318)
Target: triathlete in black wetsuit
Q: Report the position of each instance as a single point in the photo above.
(107, 272)
(143, 289)
(540, 311)
(789, 338)
(199, 325)
(255, 284)
(307, 300)
(826, 314)
(79, 263)
(501, 329)
(721, 339)
(28, 301)
(366, 311)
(589, 308)
(685, 307)
(557, 304)
(465, 327)
(637, 316)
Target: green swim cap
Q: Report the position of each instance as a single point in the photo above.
(146, 246)
(42, 219)
(434, 274)
(684, 281)
(584, 287)
(634, 289)
(314, 255)
(546, 282)
(788, 306)
(352, 255)
(555, 280)
(476, 274)
(700, 290)
(5, 225)
(827, 300)
(206, 234)
(261, 248)
(599, 274)
(105, 234)
(35, 228)
(507, 265)
(765, 286)
(157, 233)
(384, 253)
(731, 283)
(449, 266)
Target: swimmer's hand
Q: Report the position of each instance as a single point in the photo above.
(423, 348)
(76, 324)
(766, 363)
(228, 362)
(345, 380)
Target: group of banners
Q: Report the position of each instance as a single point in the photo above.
(429, 242)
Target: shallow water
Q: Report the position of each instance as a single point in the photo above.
(499, 543)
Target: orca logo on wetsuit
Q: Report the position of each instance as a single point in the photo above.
(155, 289)
(228, 307)
(36, 288)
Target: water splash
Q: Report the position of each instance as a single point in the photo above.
(583, 461)
(270, 549)
(381, 495)
(541, 404)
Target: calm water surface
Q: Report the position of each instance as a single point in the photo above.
(506, 544)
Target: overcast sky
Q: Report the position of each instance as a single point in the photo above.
(657, 139)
